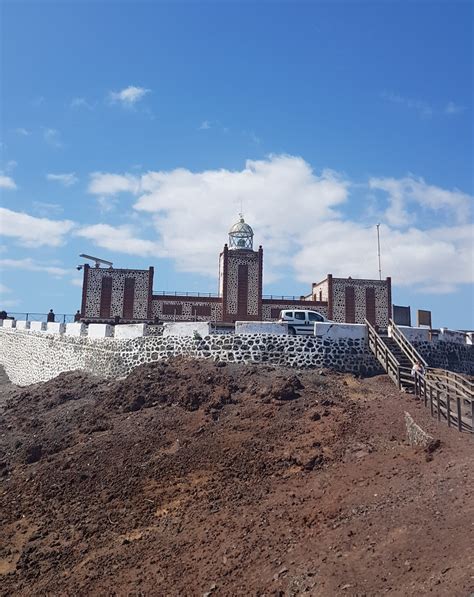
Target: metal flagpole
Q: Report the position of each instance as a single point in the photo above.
(378, 250)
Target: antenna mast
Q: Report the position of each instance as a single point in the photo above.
(378, 250)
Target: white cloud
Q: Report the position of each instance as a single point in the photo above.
(204, 126)
(424, 109)
(22, 131)
(453, 108)
(128, 96)
(52, 137)
(406, 191)
(77, 282)
(7, 182)
(31, 265)
(424, 259)
(111, 184)
(31, 231)
(67, 180)
(10, 165)
(297, 216)
(4, 289)
(120, 239)
(44, 209)
(81, 102)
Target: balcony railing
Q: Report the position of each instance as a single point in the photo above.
(58, 317)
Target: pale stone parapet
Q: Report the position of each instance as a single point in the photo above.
(55, 328)
(9, 323)
(260, 327)
(126, 331)
(100, 330)
(446, 335)
(412, 334)
(23, 325)
(187, 328)
(336, 331)
(76, 329)
(38, 326)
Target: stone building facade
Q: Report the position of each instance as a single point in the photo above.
(352, 300)
(127, 294)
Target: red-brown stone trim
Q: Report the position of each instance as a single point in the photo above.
(389, 297)
(330, 297)
(151, 272)
(260, 281)
(295, 302)
(84, 289)
(185, 299)
(225, 266)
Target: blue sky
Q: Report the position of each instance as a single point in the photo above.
(134, 131)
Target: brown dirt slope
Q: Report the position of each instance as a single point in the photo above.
(190, 478)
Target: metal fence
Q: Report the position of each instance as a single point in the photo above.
(58, 317)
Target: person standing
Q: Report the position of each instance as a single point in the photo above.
(77, 316)
(50, 317)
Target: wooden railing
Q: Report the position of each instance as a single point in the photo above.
(449, 399)
(450, 395)
(384, 355)
(406, 345)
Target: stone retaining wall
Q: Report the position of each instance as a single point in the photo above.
(30, 357)
(448, 355)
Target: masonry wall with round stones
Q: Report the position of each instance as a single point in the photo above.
(29, 357)
(382, 297)
(447, 355)
(142, 280)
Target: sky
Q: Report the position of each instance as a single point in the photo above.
(137, 132)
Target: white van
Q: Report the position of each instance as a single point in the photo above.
(300, 321)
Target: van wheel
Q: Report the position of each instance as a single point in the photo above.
(292, 331)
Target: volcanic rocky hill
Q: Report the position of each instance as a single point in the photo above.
(197, 478)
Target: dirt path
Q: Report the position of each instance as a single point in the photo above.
(193, 479)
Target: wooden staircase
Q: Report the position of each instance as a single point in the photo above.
(449, 395)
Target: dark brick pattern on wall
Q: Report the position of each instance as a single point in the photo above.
(128, 298)
(350, 304)
(105, 297)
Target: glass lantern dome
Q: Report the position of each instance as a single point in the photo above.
(241, 235)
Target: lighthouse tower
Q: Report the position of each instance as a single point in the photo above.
(240, 275)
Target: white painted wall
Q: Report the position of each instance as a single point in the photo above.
(412, 334)
(260, 327)
(23, 325)
(186, 328)
(9, 323)
(446, 335)
(38, 326)
(76, 329)
(100, 330)
(130, 330)
(336, 331)
(54, 327)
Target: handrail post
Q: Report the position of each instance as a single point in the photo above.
(472, 416)
(458, 400)
(448, 407)
(431, 400)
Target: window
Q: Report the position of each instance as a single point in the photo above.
(315, 317)
(300, 315)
